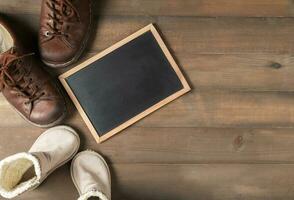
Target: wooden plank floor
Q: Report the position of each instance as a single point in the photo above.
(231, 138)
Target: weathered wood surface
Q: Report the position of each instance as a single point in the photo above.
(175, 145)
(212, 108)
(195, 8)
(192, 35)
(231, 138)
(189, 182)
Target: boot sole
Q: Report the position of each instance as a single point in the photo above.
(81, 50)
(56, 122)
(96, 154)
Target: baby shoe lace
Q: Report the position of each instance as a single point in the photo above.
(61, 11)
(9, 68)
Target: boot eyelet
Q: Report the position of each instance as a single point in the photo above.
(47, 33)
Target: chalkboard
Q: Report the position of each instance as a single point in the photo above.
(124, 83)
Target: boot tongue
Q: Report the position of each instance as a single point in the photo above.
(7, 57)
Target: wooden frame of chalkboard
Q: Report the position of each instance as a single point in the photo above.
(185, 86)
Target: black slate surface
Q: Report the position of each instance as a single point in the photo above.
(124, 83)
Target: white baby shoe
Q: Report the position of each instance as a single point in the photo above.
(25, 171)
(91, 176)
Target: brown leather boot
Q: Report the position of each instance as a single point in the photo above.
(25, 85)
(64, 31)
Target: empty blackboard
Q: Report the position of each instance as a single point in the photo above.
(124, 83)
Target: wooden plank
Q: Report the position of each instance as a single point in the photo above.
(197, 145)
(248, 8)
(174, 145)
(189, 182)
(190, 35)
(233, 66)
(203, 109)
(242, 72)
(206, 35)
(250, 72)
(226, 109)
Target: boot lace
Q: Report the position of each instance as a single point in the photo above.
(14, 76)
(61, 11)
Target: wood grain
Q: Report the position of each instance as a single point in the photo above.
(231, 138)
(216, 64)
(248, 8)
(189, 182)
(218, 182)
(192, 35)
(243, 72)
(234, 72)
(206, 35)
(174, 145)
(211, 108)
(226, 109)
